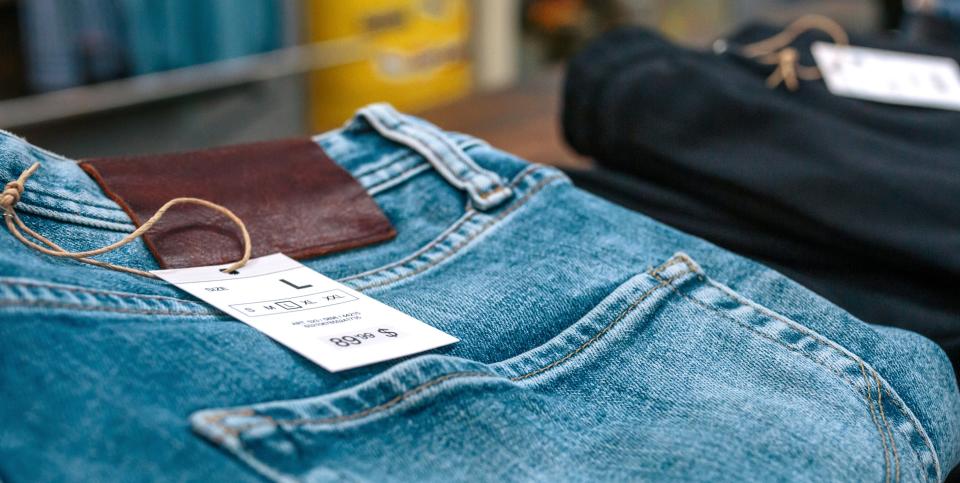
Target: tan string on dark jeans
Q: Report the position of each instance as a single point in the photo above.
(777, 51)
(13, 190)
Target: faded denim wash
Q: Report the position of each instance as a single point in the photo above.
(596, 344)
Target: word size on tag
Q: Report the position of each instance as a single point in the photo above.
(887, 76)
(315, 316)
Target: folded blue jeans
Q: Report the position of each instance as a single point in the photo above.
(595, 344)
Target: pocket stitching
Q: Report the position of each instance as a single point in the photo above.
(622, 315)
(437, 380)
(817, 337)
(271, 421)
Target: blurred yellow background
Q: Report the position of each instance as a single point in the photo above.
(418, 59)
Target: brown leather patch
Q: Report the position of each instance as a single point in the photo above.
(291, 196)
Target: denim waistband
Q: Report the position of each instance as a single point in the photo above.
(61, 191)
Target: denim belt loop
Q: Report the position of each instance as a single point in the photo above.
(486, 189)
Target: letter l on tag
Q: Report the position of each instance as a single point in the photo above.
(315, 316)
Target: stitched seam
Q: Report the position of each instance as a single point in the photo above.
(399, 179)
(468, 216)
(444, 237)
(378, 173)
(804, 354)
(415, 132)
(395, 134)
(384, 162)
(38, 206)
(83, 220)
(217, 419)
(623, 314)
(453, 250)
(473, 169)
(67, 306)
(95, 292)
(896, 402)
(873, 416)
(839, 374)
(417, 254)
(519, 178)
(39, 189)
(469, 237)
(678, 259)
(886, 424)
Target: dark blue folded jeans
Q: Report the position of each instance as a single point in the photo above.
(596, 344)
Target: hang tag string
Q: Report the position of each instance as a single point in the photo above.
(777, 51)
(13, 190)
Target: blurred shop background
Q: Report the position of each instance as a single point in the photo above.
(108, 77)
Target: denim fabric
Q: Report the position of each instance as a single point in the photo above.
(595, 344)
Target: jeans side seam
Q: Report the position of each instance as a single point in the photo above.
(817, 337)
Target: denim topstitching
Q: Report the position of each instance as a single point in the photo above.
(839, 350)
(469, 235)
(217, 419)
(868, 399)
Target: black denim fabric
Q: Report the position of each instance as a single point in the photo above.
(860, 201)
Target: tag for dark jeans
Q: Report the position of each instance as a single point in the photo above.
(291, 196)
(887, 76)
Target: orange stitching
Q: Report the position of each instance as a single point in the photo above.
(766, 336)
(598, 335)
(490, 193)
(836, 347)
(873, 416)
(673, 261)
(359, 415)
(886, 423)
(809, 333)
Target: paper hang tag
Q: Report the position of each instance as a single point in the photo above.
(315, 316)
(887, 76)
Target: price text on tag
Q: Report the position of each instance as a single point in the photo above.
(315, 316)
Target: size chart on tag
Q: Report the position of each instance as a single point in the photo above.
(887, 76)
(315, 316)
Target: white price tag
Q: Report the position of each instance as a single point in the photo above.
(891, 77)
(315, 316)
